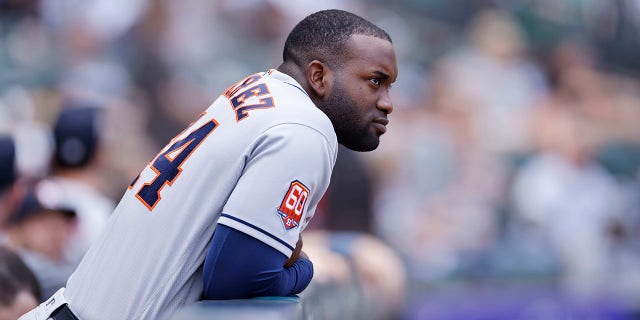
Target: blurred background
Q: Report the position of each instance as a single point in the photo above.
(507, 186)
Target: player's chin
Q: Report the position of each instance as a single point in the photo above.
(375, 142)
(373, 146)
(369, 144)
(366, 139)
(372, 140)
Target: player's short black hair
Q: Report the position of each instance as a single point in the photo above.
(322, 35)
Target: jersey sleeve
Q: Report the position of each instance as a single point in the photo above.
(286, 173)
(259, 271)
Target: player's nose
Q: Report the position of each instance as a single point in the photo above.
(384, 103)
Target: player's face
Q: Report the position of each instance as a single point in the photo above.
(359, 101)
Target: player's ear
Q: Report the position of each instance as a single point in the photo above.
(320, 78)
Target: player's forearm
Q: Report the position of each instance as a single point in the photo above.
(303, 269)
(290, 280)
(239, 266)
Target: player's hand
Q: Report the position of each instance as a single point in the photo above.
(296, 253)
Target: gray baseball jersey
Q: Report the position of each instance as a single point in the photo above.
(258, 160)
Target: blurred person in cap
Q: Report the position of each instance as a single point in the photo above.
(19, 288)
(39, 230)
(75, 171)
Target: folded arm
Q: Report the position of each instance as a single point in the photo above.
(239, 266)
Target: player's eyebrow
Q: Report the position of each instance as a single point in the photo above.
(382, 75)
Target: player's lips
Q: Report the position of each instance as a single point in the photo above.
(381, 124)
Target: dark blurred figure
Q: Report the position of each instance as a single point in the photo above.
(76, 169)
(566, 198)
(7, 174)
(365, 276)
(76, 135)
(349, 197)
(19, 7)
(7, 159)
(19, 290)
(39, 231)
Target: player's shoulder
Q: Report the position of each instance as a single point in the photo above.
(294, 106)
(267, 99)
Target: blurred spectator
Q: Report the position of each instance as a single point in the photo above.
(29, 130)
(367, 278)
(438, 186)
(20, 290)
(565, 196)
(347, 204)
(447, 160)
(75, 170)
(359, 275)
(39, 231)
(495, 79)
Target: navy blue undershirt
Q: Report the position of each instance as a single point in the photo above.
(238, 266)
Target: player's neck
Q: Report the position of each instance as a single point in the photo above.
(293, 70)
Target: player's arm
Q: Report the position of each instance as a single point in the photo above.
(297, 252)
(239, 266)
(286, 173)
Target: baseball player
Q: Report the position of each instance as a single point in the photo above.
(219, 211)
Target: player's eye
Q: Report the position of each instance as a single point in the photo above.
(375, 81)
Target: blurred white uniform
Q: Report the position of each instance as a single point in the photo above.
(573, 207)
(92, 209)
